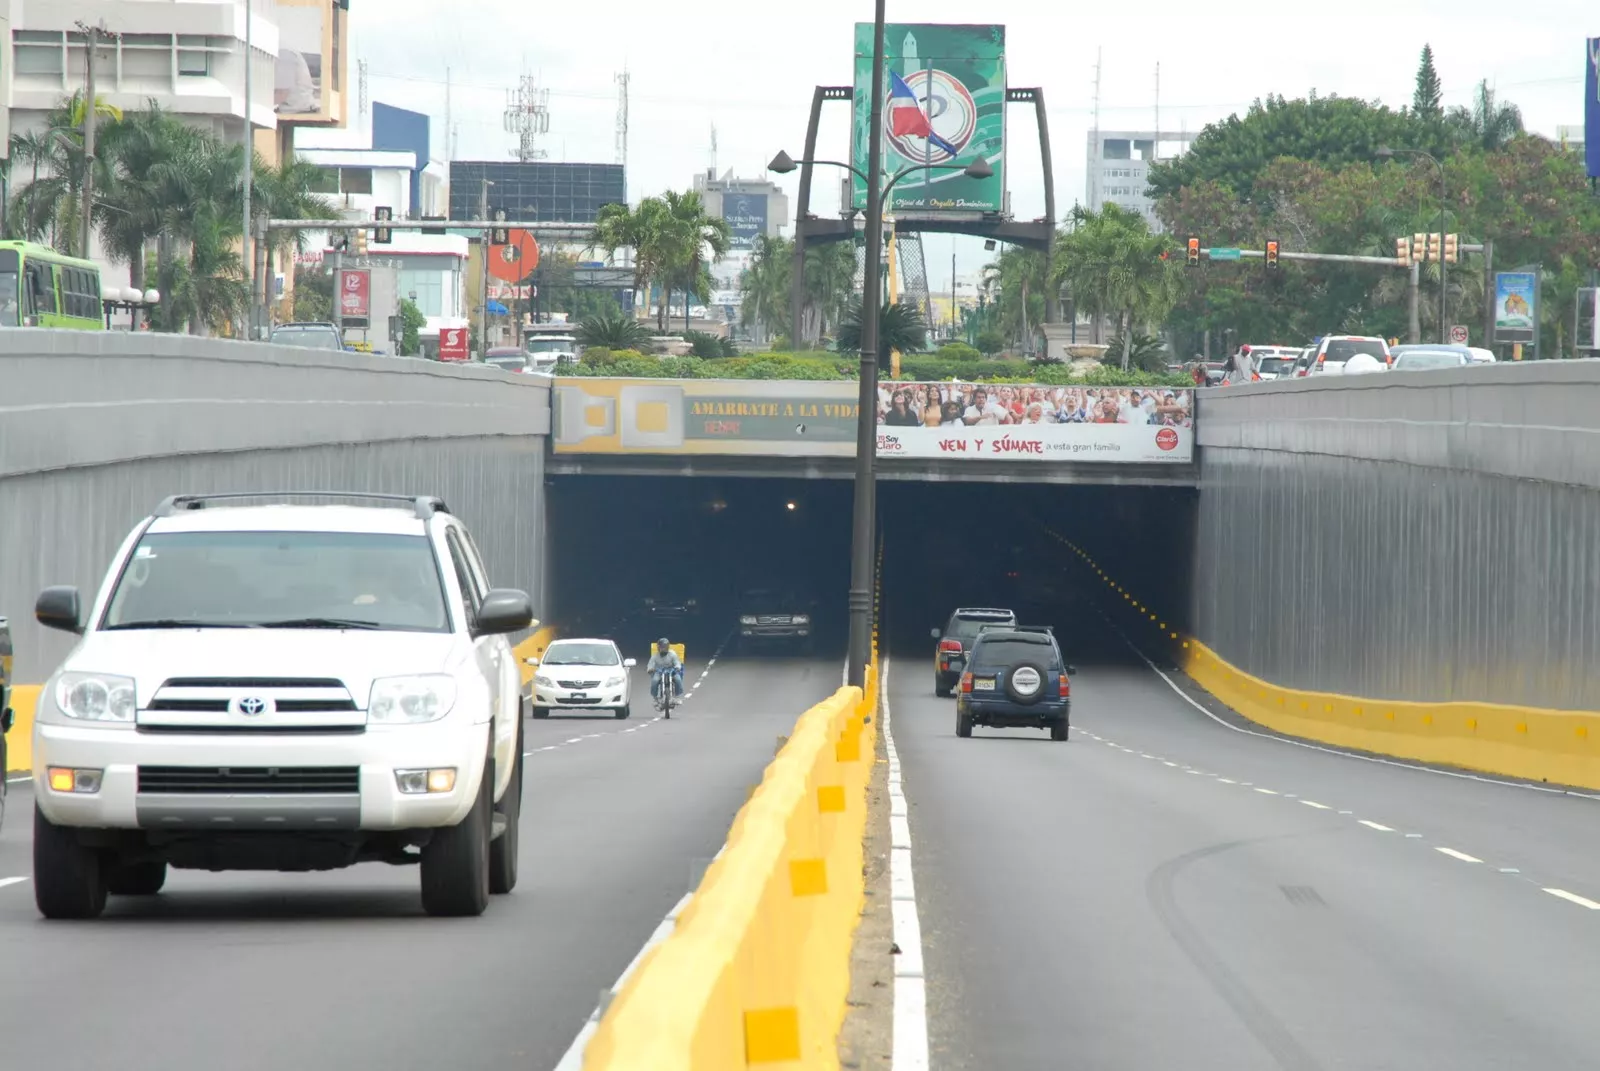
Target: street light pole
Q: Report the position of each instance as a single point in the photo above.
(246, 249)
(864, 527)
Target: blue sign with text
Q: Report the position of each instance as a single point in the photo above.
(1591, 106)
(746, 214)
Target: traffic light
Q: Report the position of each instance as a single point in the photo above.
(382, 235)
(341, 242)
(1433, 245)
(361, 243)
(1272, 253)
(1402, 251)
(1419, 247)
(1194, 252)
(1452, 248)
(500, 236)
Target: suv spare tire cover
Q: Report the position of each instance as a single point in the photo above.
(1025, 683)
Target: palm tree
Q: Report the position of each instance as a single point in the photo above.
(690, 234)
(1018, 275)
(765, 284)
(900, 327)
(1115, 267)
(148, 152)
(51, 205)
(645, 230)
(830, 287)
(284, 192)
(1488, 124)
(612, 329)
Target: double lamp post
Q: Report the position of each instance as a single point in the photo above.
(865, 512)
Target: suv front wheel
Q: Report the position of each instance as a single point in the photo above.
(68, 881)
(455, 863)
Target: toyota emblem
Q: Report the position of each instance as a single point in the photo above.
(252, 706)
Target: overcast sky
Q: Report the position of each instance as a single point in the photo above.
(748, 70)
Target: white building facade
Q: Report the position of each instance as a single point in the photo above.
(1119, 168)
(751, 207)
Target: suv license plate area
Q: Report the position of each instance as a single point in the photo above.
(983, 685)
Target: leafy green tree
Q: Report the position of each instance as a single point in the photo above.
(1115, 268)
(1020, 284)
(900, 327)
(1426, 101)
(411, 324)
(1488, 124)
(313, 295)
(695, 241)
(990, 342)
(612, 329)
(764, 287)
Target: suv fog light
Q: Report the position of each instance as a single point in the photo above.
(66, 779)
(422, 782)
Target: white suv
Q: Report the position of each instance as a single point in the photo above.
(582, 675)
(265, 686)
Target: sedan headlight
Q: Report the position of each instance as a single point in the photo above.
(693, 602)
(616, 682)
(96, 697)
(747, 620)
(411, 700)
(802, 619)
(544, 682)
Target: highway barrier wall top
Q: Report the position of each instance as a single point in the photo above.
(1423, 536)
(756, 970)
(98, 427)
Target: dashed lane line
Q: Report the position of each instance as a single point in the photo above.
(1581, 901)
(1452, 853)
(1379, 826)
(11, 881)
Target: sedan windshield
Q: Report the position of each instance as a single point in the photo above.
(581, 654)
(287, 580)
(1276, 366)
(1411, 362)
(315, 338)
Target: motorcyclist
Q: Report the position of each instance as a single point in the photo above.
(664, 661)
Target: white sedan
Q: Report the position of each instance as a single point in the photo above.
(582, 675)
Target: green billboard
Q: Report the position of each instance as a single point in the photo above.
(944, 102)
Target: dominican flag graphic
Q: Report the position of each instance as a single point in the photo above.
(907, 119)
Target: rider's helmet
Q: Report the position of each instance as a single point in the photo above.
(662, 645)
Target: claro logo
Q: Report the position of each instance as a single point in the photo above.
(889, 444)
(1167, 439)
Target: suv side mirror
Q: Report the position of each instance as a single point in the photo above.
(936, 633)
(629, 663)
(1072, 671)
(60, 608)
(504, 610)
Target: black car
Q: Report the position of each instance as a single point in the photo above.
(1015, 679)
(769, 617)
(669, 606)
(956, 639)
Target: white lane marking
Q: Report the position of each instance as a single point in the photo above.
(11, 881)
(19, 779)
(1227, 780)
(1266, 792)
(1165, 763)
(909, 1048)
(548, 747)
(1463, 856)
(576, 740)
(1347, 812)
(1318, 806)
(1509, 870)
(1375, 825)
(1187, 698)
(1581, 901)
(1413, 836)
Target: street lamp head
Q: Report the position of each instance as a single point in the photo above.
(782, 163)
(979, 169)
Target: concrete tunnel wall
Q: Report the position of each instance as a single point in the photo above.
(95, 429)
(1426, 536)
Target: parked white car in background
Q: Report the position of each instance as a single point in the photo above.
(582, 675)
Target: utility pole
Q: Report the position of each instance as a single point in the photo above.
(91, 40)
(483, 244)
(1416, 312)
(1488, 294)
(247, 250)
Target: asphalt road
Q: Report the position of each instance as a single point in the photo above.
(1163, 891)
(342, 970)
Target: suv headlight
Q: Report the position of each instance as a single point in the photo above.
(747, 620)
(96, 697)
(802, 619)
(410, 700)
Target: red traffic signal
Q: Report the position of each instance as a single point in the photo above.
(1194, 252)
(1272, 252)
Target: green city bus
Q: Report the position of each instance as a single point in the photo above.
(42, 288)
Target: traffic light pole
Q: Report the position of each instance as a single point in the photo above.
(1335, 258)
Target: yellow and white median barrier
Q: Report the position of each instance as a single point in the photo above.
(757, 970)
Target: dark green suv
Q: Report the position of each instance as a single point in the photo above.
(1015, 678)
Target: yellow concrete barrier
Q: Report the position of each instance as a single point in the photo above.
(24, 698)
(757, 971)
(1534, 743)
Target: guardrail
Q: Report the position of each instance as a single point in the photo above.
(757, 969)
(25, 697)
(1561, 747)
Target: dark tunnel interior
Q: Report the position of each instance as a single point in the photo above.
(628, 554)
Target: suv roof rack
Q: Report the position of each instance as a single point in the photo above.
(424, 506)
(984, 611)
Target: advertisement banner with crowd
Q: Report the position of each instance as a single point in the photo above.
(1021, 421)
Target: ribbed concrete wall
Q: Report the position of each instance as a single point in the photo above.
(1428, 536)
(96, 429)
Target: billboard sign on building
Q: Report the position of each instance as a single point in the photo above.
(746, 214)
(305, 58)
(944, 104)
(1516, 306)
(5, 84)
(926, 421)
(1591, 106)
(355, 296)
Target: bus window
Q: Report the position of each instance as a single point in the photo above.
(41, 289)
(10, 290)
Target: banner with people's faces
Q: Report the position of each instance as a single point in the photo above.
(1022, 421)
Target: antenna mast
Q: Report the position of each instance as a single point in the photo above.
(713, 172)
(364, 100)
(1155, 148)
(1094, 157)
(527, 116)
(622, 128)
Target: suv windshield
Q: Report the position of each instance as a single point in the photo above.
(549, 345)
(516, 361)
(766, 601)
(1276, 365)
(581, 654)
(1003, 650)
(1343, 349)
(280, 580)
(1428, 359)
(315, 338)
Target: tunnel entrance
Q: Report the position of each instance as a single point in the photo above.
(629, 554)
